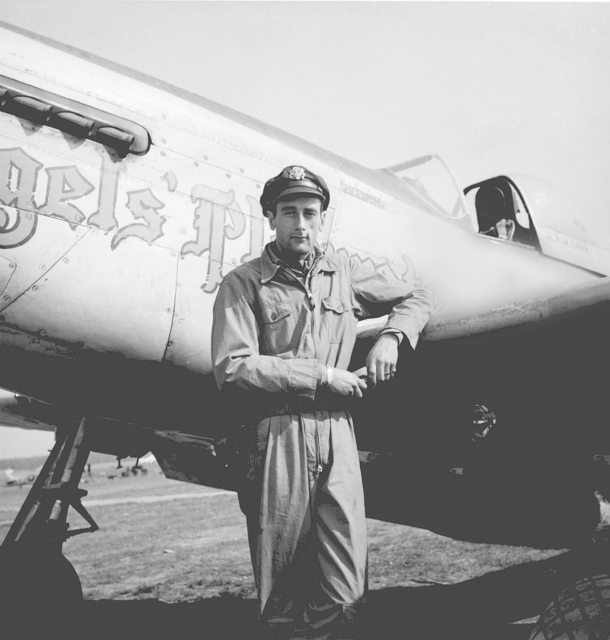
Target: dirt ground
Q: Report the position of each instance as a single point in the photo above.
(173, 558)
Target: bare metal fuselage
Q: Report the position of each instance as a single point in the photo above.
(109, 264)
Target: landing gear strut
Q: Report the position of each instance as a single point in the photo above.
(38, 584)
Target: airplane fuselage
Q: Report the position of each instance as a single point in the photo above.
(123, 204)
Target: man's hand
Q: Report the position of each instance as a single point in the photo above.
(382, 358)
(346, 383)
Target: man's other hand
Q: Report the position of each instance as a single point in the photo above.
(346, 383)
(382, 358)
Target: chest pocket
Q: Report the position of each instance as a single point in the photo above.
(339, 321)
(278, 328)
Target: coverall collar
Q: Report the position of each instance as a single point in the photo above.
(270, 264)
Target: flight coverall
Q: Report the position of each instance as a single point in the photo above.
(273, 336)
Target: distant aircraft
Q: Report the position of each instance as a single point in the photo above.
(124, 202)
(11, 478)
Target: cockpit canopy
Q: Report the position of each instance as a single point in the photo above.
(522, 210)
(501, 212)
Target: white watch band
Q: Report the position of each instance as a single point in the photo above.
(329, 376)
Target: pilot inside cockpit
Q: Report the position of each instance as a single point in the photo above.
(494, 215)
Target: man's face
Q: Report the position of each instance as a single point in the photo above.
(297, 223)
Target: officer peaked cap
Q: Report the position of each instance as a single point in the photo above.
(294, 181)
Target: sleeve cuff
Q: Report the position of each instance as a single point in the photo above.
(305, 377)
(396, 332)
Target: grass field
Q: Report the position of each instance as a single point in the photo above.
(172, 557)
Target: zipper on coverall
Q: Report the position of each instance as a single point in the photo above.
(307, 287)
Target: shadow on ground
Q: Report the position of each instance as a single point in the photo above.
(234, 618)
(483, 608)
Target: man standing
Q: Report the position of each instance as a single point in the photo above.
(283, 334)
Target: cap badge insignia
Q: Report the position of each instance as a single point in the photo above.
(296, 173)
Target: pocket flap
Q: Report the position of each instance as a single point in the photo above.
(277, 312)
(336, 304)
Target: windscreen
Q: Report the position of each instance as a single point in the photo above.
(435, 183)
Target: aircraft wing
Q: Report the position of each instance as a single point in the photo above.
(590, 297)
(24, 413)
(539, 367)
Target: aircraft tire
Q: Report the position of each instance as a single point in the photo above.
(581, 611)
(37, 593)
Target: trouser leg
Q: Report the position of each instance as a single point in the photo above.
(307, 530)
(280, 537)
(341, 545)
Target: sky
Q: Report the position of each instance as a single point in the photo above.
(494, 88)
(22, 443)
